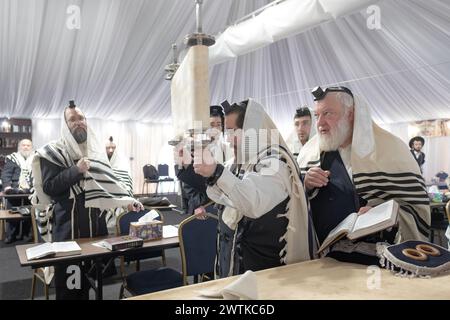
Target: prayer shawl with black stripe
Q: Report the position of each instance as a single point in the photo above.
(121, 169)
(383, 169)
(301, 244)
(103, 188)
(25, 168)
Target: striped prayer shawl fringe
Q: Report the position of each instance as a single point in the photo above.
(25, 169)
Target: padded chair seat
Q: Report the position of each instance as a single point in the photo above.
(153, 280)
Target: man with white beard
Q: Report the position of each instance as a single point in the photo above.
(16, 179)
(352, 165)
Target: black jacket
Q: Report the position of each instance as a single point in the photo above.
(193, 188)
(420, 159)
(10, 174)
(56, 183)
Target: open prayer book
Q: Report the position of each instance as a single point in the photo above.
(356, 226)
(53, 249)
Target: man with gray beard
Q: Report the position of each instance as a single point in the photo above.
(352, 165)
(16, 179)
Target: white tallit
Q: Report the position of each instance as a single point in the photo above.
(300, 238)
(103, 189)
(25, 168)
(383, 169)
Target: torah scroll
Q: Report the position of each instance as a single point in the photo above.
(190, 92)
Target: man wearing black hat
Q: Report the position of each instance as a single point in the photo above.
(73, 175)
(351, 165)
(416, 145)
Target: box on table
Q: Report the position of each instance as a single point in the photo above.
(147, 230)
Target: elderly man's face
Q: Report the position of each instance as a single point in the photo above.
(25, 147)
(76, 122)
(417, 145)
(303, 128)
(334, 123)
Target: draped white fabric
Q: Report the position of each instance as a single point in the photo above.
(286, 18)
(436, 149)
(113, 66)
(402, 70)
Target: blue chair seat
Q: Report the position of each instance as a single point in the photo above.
(153, 280)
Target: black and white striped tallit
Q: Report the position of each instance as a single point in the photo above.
(121, 169)
(25, 168)
(300, 237)
(382, 169)
(102, 187)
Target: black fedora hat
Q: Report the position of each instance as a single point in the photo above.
(416, 138)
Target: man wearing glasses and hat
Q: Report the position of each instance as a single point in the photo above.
(351, 165)
(416, 145)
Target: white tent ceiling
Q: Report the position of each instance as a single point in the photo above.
(114, 65)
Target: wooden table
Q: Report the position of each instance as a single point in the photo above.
(97, 254)
(323, 279)
(6, 215)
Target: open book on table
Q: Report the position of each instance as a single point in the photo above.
(356, 226)
(53, 249)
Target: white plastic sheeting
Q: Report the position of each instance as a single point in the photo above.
(277, 22)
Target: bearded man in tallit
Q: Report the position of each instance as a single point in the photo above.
(74, 174)
(352, 165)
(16, 179)
(263, 217)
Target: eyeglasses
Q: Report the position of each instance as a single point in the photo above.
(319, 93)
